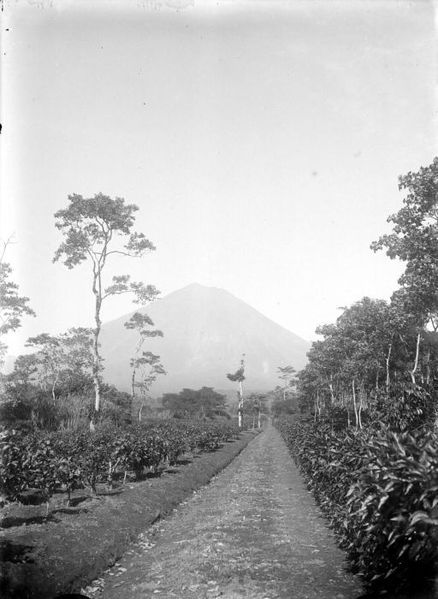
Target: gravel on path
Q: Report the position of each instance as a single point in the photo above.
(253, 532)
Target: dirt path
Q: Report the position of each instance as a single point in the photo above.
(253, 532)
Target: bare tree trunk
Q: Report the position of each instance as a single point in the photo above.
(428, 366)
(109, 479)
(388, 357)
(332, 394)
(53, 390)
(240, 408)
(359, 411)
(317, 406)
(356, 417)
(133, 385)
(417, 355)
(97, 290)
(140, 411)
(133, 394)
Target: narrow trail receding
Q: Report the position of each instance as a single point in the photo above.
(253, 532)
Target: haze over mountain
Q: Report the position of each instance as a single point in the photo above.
(206, 331)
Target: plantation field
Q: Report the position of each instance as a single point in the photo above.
(253, 533)
(48, 463)
(378, 490)
(65, 542)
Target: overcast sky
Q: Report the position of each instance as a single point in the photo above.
(262, 142)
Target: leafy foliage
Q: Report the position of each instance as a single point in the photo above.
(377, 368)
(74, 459)
(374, 345)
(12, 306)
(239, 375)
(60, 362)
(204, 403)
(288, 375)
(415, 240)
(282, 406)
(145, 365)
(378, 490)
(89, 223)
(91, 229)
(28, 406)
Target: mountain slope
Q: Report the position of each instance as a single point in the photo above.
(206, 330)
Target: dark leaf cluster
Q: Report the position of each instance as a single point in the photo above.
(379, 491)
(66, 460)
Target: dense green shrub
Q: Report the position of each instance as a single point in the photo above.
(406, 407)
(65, 460)
(391, 534)
(379, 490)
(27, 462)
(142, 447)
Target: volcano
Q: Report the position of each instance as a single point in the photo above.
(206, 331)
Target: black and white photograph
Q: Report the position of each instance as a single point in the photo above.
(219, 299)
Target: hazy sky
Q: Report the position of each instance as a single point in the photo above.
(262, 142)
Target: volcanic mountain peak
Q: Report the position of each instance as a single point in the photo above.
(206, 331)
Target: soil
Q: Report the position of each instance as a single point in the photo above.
(47, 552)
(254, 532)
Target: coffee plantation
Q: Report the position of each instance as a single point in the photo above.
(67, 460)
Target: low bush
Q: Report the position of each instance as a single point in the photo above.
(379, 490)
(66, 460)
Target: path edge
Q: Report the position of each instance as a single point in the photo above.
(60, 571)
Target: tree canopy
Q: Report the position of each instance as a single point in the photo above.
(381, 354)
(204, 403)
(414, 240)
(12, 305)
(94, 229)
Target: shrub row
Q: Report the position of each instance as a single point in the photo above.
(379, 491)
(66, 460)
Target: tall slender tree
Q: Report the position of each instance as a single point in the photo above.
(95, 229)
(414, 240)
(147, 364)
(288, 375)
(239, 377)
(148, 367)
(256, 402)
